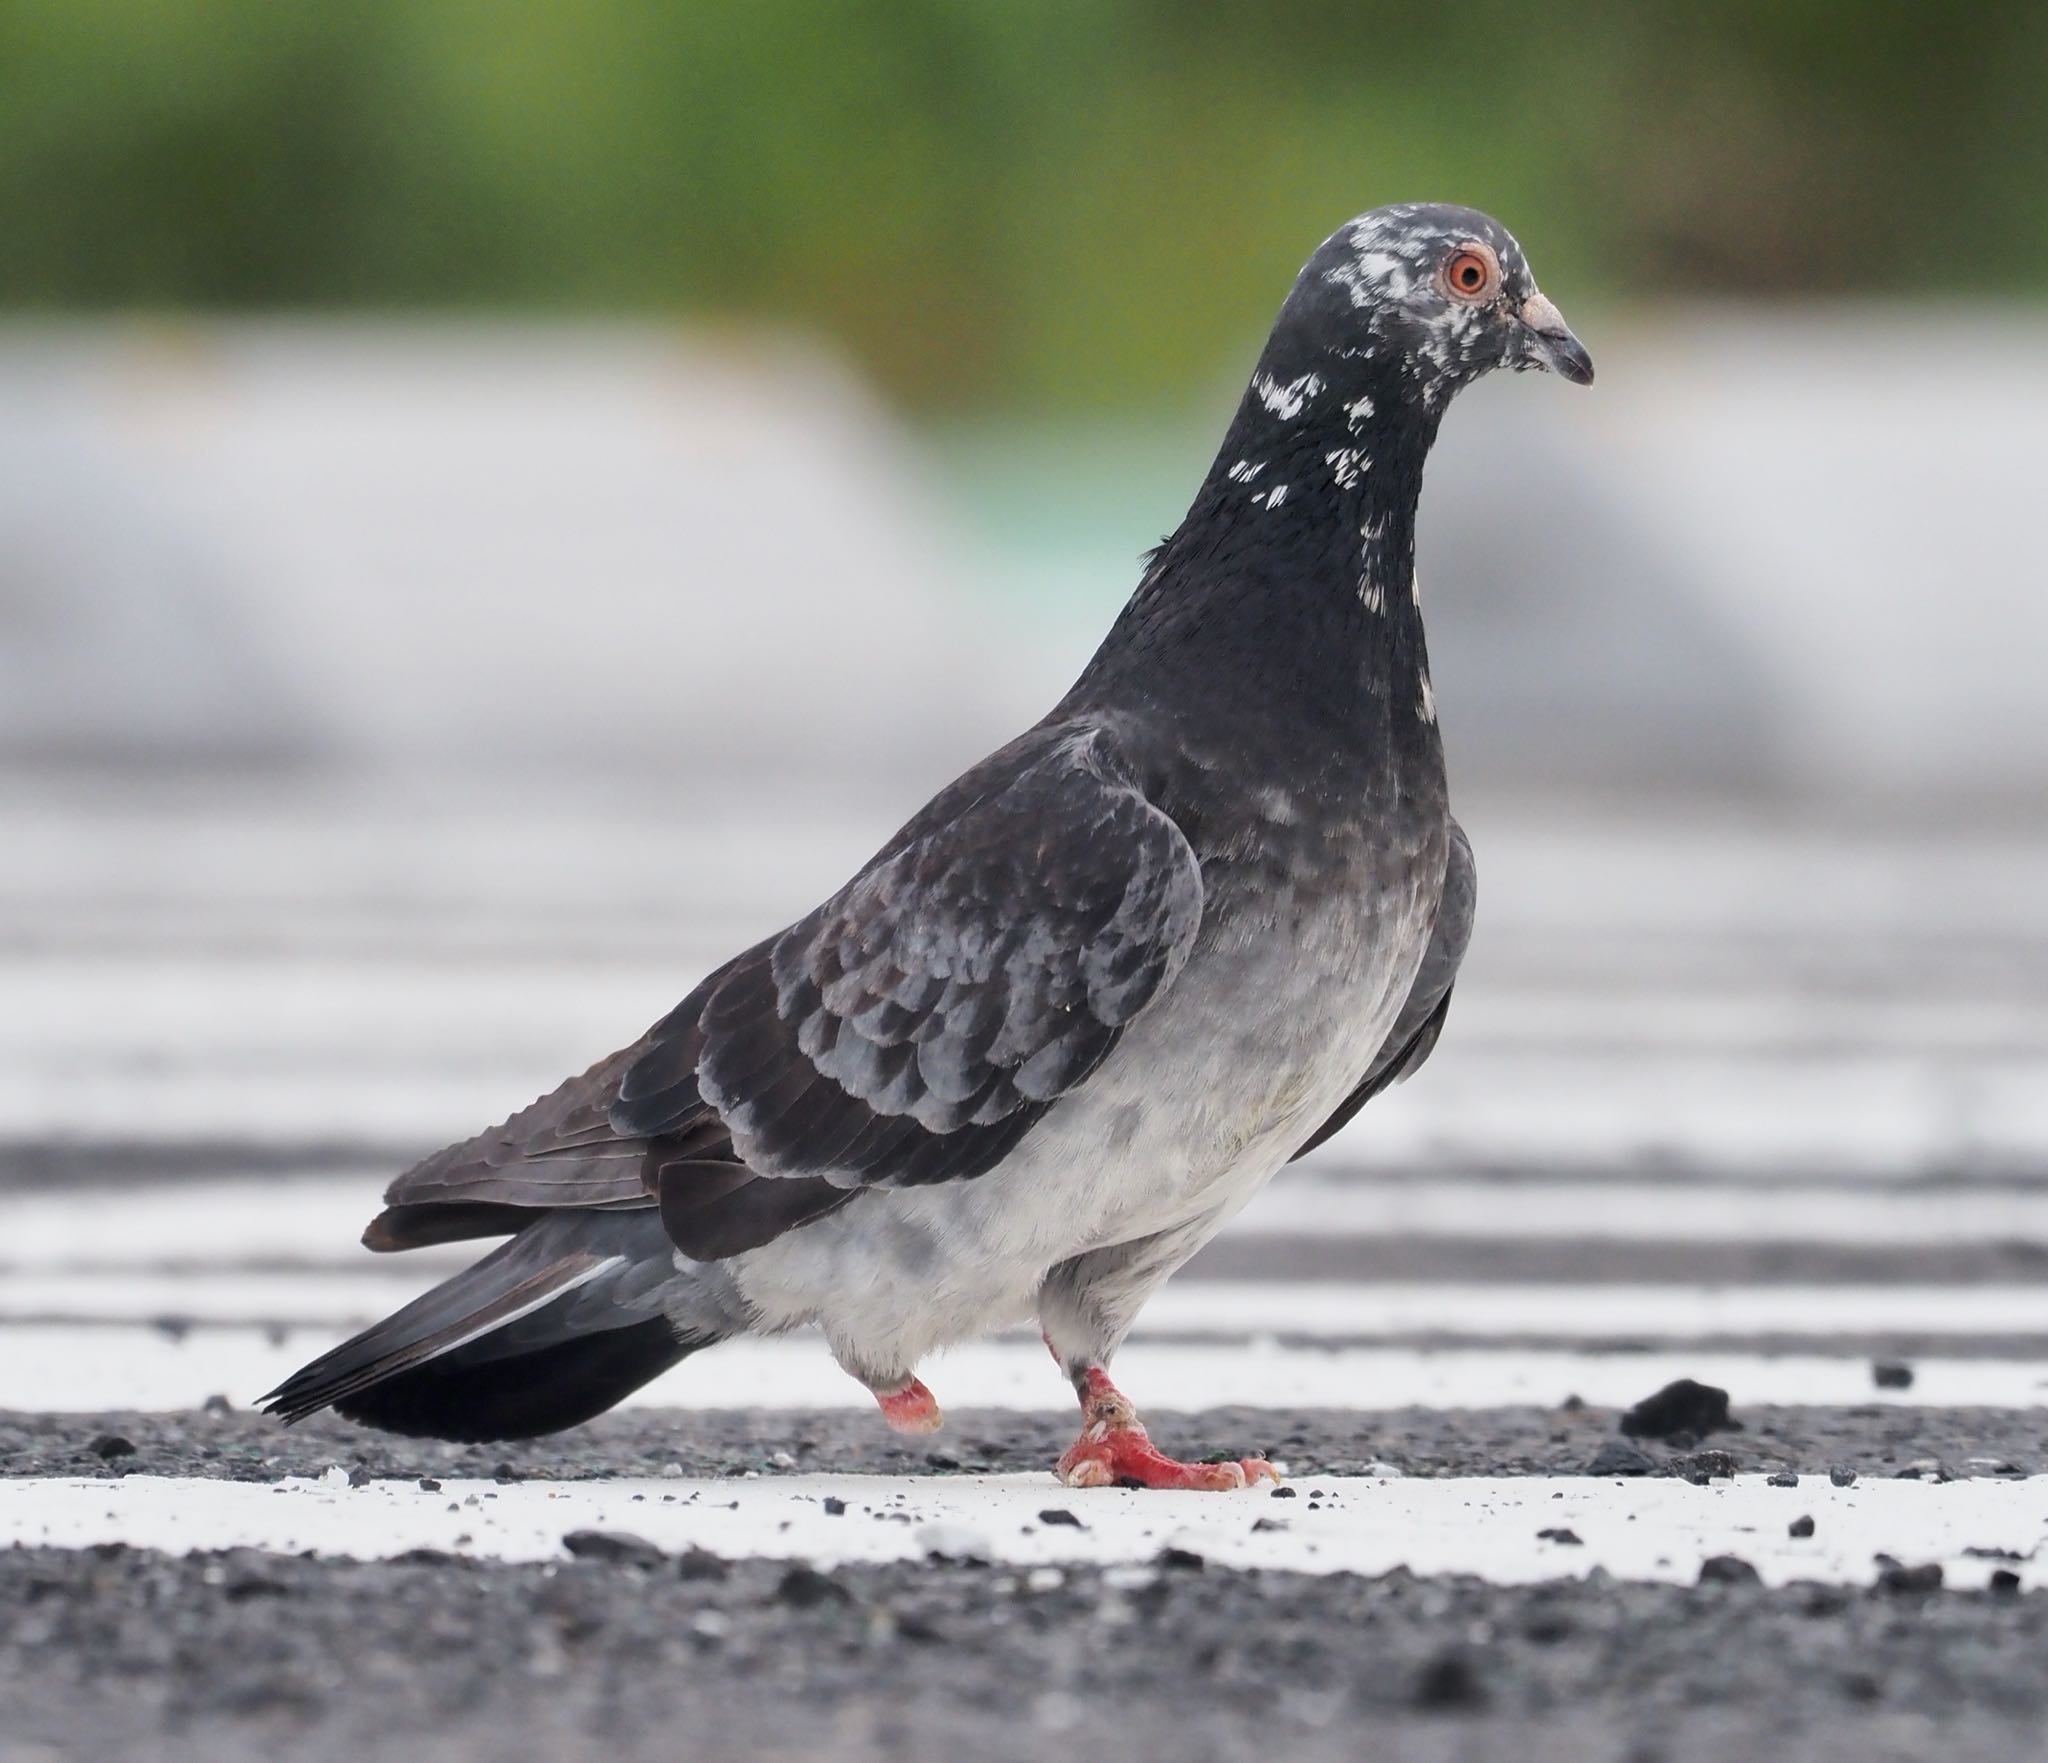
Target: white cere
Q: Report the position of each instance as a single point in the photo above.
(1288, 401)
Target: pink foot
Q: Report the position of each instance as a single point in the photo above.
(913, 1408)
(1114, 1450)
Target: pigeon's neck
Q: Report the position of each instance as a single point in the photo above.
(1294, 571)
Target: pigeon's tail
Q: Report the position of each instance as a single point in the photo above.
(548, 1330)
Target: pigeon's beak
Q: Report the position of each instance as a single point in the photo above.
(1550, 341)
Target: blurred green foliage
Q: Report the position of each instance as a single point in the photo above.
(1048, 203)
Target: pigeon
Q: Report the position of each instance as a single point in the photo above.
(1076, 1012)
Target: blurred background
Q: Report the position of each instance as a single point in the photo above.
(502, 505)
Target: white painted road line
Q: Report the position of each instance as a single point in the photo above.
(1875, 1116)
(1882, 1115)
(1674, 1210)
(63, 1369)
(1316, 1309)
(1655, 1530)
(317, 1219)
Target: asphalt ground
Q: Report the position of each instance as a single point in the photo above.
(1725, 1089)
(114, 1652)
(233, 1444)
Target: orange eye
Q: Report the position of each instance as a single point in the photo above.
(1470, 273)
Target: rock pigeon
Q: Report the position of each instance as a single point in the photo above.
(1072, 1016)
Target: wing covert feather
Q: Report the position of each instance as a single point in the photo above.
(917, 1024)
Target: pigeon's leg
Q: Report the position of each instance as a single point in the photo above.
(911, 1408)
(904, 1401)
(1114, 1450)
(1086, 1305)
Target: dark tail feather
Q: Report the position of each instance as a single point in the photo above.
(543, 1333)
(539, 1391)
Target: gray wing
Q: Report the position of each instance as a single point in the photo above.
(911, 1029)
(920, 1022)
(1415, 1031)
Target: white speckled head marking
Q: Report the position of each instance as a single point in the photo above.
(1393, 270)
(1288, 401)
(1347, 465)
(1397, 311)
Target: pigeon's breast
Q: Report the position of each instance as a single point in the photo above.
(1305, 958)
(1311, 938)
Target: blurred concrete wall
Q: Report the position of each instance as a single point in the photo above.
(394, 549)
(1789, 555)
(1796, 549)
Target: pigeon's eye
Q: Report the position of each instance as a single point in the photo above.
(1471, 273)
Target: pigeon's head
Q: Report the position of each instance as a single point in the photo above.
(1435, 296)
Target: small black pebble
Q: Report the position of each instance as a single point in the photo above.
(805, 1587)
(504, 1473)
(1060, 1515)
(110, 1445)
(1683, 1406)
(619, 1546)
(1903, 1581)
(835, 1507)
(1186, 1560)
(429, 1485)
(1619, 1457)
(1701, 1467)
(1448, 1683)
(1558, 1534)
(942, 1460)
(1801, 1526)
(1262, 1524)
(1573, 1404)
(1892, 1374)
(1783, 1479)
(2004, 1580)
(1728, 1570)
(1283, 1494)
(1842, 1476)
(696, 1563)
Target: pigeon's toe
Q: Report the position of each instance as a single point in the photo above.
(1124, 1457)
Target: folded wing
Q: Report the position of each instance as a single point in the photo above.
(912, 1029)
